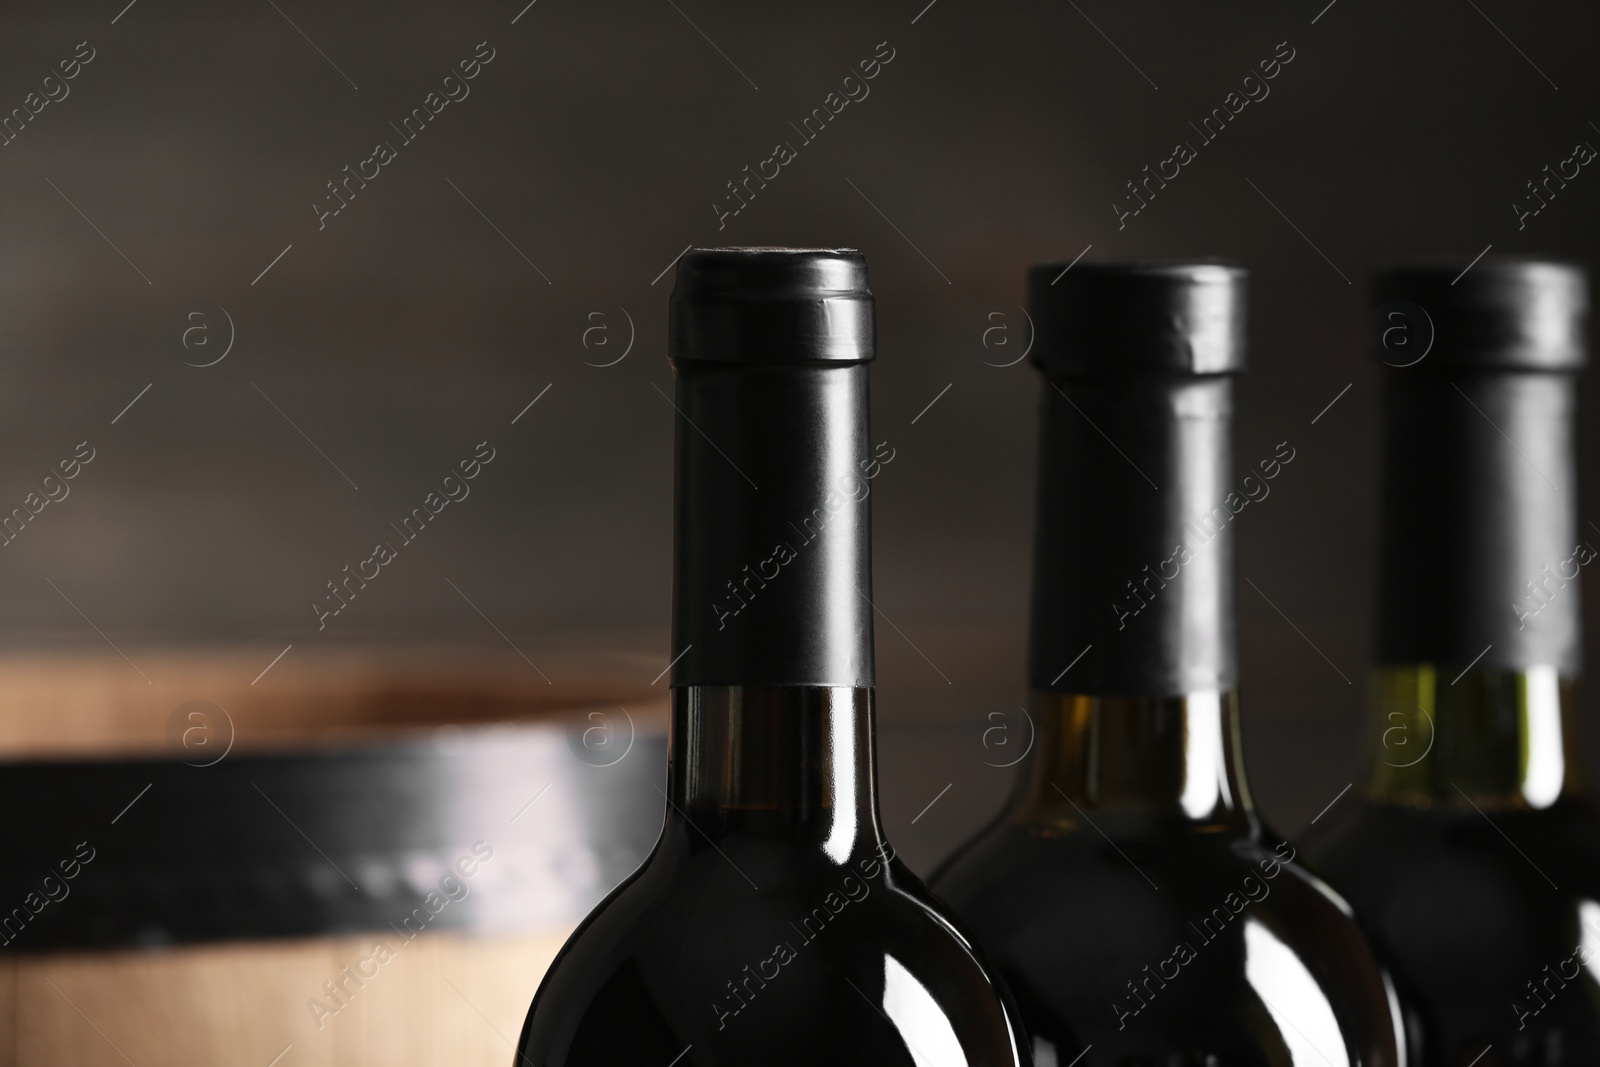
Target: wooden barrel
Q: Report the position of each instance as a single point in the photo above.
(363, 857)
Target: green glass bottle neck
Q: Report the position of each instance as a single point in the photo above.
(1176, 757)
(1500, 738)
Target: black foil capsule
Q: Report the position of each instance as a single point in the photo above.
(1480, 528)
(1134, 556)
(772, 521)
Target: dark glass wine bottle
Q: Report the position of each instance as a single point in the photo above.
(773, 923)
(1467, 849)
(1129, 895)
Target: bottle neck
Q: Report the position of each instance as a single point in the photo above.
(1479, 637)
(772, 569)
(1133, 589)
(1480, 535)
(1171, 757)
(779, 761)
(1505, 739)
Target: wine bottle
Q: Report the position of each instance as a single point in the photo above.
(773, 923)
(1129, 895)
(1467, 848)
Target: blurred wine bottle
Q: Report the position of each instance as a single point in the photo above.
(1129, 895)
(1466, 849)
(772, 924)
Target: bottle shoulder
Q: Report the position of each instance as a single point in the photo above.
(1019, 874)
(1372, 845)
(1153, 943)
(742, 955)
(1107, 855)
(1475, 910)
(1515, 883)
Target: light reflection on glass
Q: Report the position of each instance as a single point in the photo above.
(842, 752)
(921, 1022)
(1202, 754)
(1589, 919)
(1544, 765)
(1305, 1018)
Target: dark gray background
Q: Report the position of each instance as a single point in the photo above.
(596, 141)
